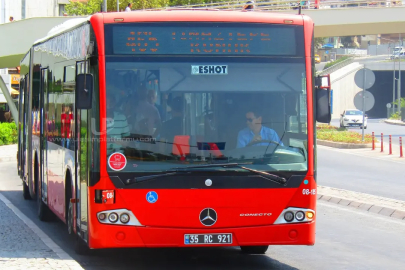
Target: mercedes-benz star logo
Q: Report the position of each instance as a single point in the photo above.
(208, 217)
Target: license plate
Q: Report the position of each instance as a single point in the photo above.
(203, 239)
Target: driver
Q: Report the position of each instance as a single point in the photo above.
(256, 132)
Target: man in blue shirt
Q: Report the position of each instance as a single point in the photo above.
(256, 132)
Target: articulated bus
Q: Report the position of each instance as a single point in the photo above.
(174, 128)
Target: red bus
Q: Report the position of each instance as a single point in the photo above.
(174, 128)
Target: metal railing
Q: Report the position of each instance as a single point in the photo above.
(292, 5)
(335, 67)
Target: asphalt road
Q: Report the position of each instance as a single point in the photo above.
(346, 239)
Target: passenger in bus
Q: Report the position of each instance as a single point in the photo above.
(174, 126)
(152, 98)
(255, 131)
(147, 117)
(117, 126)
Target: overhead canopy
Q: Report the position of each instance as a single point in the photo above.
(20, 35)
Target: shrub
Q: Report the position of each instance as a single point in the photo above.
(8, 133)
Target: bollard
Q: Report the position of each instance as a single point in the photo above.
(373, 142)
(390, 145)
(400, 147)
(382, 142)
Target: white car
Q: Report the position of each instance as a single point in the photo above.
(353, 118)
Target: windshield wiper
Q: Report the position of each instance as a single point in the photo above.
(179, 170)
(149, 177)
(268, 176)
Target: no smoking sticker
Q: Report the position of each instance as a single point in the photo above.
(117, 161)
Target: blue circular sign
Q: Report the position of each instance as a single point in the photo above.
(151, 197)
(305, 182)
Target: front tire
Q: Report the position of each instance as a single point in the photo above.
(254, 249)
(26, 191)
(44, 214)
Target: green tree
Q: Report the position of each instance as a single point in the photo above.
(318, 42)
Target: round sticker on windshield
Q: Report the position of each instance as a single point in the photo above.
(117, 161)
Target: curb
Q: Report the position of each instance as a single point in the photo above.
(385, 211)
(343, 145)
(6, 159)
(394, 123)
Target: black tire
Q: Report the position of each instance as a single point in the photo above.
(69, 207)
(254, 249)
(81, 247)
(44, 214)
(26, 191)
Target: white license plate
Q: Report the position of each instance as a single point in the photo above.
(207, 239)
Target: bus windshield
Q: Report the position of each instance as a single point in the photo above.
(173, 111)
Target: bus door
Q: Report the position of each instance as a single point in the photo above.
(44, 109)
(82, 160)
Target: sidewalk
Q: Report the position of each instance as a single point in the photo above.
(8, 153)
(395, 122)
(24, 246)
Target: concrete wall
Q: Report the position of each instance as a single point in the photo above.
(344, 88)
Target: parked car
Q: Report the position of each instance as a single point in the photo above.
(317, 59)
(353, 118)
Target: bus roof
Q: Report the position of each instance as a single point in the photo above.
(178, 15)
(198, 15)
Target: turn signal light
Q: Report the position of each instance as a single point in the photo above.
(310, 215)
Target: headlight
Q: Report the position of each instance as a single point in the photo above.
(113, 217)
(289, 216)
(124, 218)
(102, 216)
(300, 216)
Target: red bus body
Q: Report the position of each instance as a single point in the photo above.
(249, 214)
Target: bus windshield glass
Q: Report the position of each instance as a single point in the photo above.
(176, 110)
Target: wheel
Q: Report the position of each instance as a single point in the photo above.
(81, 247)
(44, 214)
(69, 219)
(365, 127)
(254, 249)
(26, 191)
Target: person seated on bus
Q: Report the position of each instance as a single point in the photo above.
(147, 117)
(255, 131)
(117, 126)
(174, 126)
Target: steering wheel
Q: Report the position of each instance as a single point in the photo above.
(262, 141)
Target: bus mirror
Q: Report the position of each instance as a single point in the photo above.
(84, 90)
(323, 108)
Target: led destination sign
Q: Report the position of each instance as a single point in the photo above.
(139, 39)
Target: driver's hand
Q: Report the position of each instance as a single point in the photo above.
(257, 138)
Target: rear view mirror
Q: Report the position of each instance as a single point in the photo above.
(323, 108)
(84, 90)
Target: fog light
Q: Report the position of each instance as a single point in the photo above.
(289, 216)
(300, 216)
(113, 217)
(102, 216)
(124, 218)
(310, 215)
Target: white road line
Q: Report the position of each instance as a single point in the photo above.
(69, 261)
(362, 212)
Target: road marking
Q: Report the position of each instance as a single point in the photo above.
(69, 261)
(362, 212)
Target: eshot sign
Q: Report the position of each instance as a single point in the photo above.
(209, 70)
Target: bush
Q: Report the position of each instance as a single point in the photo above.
(328, 65)
(395, 116)
(8, 133)
(335, 134)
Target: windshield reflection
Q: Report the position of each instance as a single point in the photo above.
(157, 124)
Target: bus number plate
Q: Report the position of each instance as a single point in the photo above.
(204, 239)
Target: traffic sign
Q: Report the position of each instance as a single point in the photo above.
(364, 82)
(368, 102)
